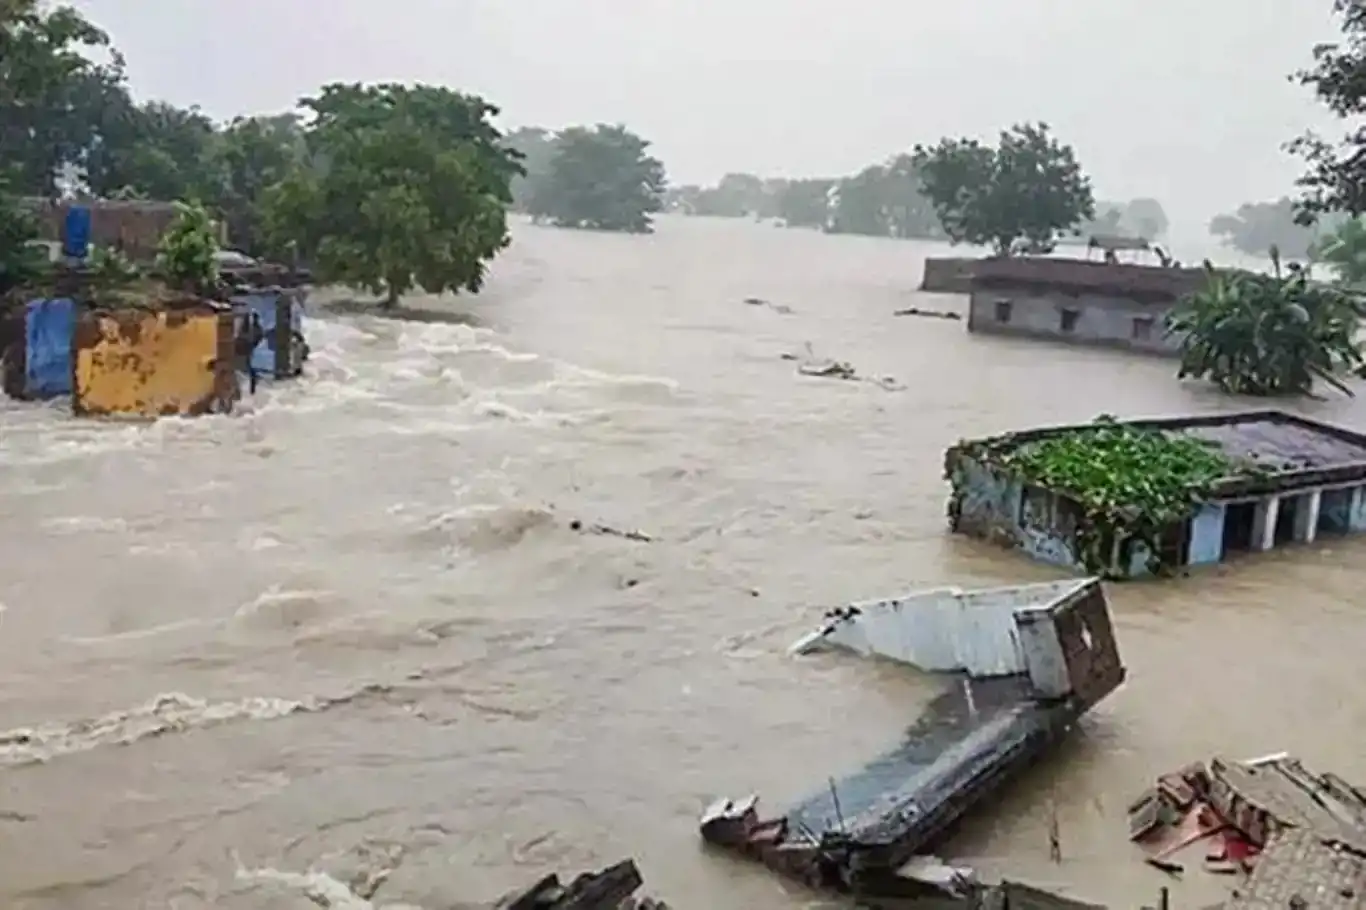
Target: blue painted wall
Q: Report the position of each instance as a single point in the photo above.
(48, 327)
(1207, 534)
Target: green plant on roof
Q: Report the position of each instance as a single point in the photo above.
(1130, 483)
(187, 254)
(1123, 470)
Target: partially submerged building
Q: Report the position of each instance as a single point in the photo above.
(1290, 480)
(1018, 665)
(141, 351)
(1077, 301)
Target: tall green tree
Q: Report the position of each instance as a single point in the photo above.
(1267, 335)
(1336, 177)
(885, 200)
(50, 90)
(537, 148)
(804, 203)
(1256, 227)
(406, 186)
(1018, 197)
(20, 263)
(154, 151)
(601, 177)
(246, 158)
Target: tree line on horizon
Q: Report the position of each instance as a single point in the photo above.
(882, 200)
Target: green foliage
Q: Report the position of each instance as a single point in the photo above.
(1254, 334)
(157, 150)
(601, 178)
(885, 200)
(1336, 177)
(1139, 218)
(1126, 484)
(186, 255)
(21, 263)
(113, 269)
(804, 203)
(1344, 252)
(248, 157)
(1117, 469)
(51, 90)
(1258, 226)
(1018, 197)
(537, 148)
(406, 187)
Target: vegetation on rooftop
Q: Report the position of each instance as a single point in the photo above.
(1128, 484)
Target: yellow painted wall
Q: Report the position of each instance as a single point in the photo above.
(150, 363)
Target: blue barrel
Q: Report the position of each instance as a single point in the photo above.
(76, 232)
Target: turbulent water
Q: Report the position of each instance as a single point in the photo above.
(345, 647)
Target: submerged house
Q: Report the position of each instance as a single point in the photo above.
(1269, 479)
(1077, 301)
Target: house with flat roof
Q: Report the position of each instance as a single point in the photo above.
(1291, 481)
(1120, 305)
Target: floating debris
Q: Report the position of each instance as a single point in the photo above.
(780, 308)
(928, 314)
(609, 531)
(611, 889)
(1286, 830)
(825, 368)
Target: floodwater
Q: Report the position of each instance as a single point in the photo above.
(350, 633)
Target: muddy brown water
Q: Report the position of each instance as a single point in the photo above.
(379, 646)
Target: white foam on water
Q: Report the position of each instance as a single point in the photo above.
(318, 887)
(167, 713)
(365, 364)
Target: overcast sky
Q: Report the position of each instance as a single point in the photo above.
(1184, 100)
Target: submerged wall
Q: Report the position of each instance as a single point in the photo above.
(154, 362)
(993, 506)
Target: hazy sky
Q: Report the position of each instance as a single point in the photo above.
(1185, 100)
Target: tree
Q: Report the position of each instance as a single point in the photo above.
(1336, 176)
(1344, 252)
(601, 178)
(155, 150)
(804, 203)
(1146, 218)
(50, 90)
(1018, 197)
(1257, 334)
(248, 157)
(1256, 227)
(406, 187)
(537, 148)
(20, 262)
(885, 200)
(1141, 218)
